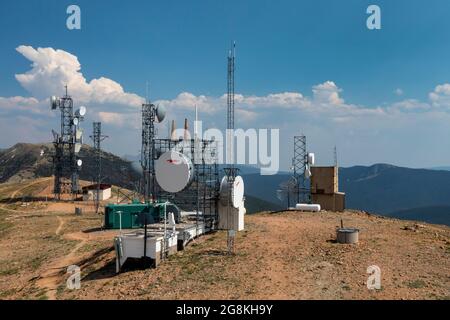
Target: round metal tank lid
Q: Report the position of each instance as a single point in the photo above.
(348, 230)
(347, 235)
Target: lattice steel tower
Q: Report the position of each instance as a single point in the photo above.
(67, 144)
(97, 138)
(299, 164)
(230, 170)
(150, 113)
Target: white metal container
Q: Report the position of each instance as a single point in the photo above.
(131, 245)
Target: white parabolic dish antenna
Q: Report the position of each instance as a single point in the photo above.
(237, 194)
(174, 171)
(81, 112)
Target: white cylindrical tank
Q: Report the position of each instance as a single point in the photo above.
(307, 207)
(173, 171)
(237, 192)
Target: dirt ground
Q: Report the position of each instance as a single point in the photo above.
(288, 255)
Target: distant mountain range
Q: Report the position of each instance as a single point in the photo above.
(433, 214)
(381, 188)
(255, 204)
(441, 168)
(421, 194)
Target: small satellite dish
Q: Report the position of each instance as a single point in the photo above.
(81, 111)
(160, 113)
(77, 147)
(79, 162)
(54, 102)
(75, 121)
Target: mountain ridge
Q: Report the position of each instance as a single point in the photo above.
(380, 188)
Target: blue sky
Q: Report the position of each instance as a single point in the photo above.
(282, 46)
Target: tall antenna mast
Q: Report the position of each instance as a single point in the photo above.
(230, 171)
(230, 107)
(335, 157)
(97, 138)
(336, 167)
(196, 123)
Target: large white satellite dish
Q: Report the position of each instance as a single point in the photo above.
(174, 171)
(237, 192)
(79, 162)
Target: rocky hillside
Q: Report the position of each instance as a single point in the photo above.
(24, 161)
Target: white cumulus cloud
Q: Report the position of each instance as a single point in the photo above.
(440, 97)
(52, 69)
(365, 134)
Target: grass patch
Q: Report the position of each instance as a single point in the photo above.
(60, 289)
(43, 297)
(7, 293)
(346, 287)
(8, 272)
(417, 284)
(36, 262)
(4, 225)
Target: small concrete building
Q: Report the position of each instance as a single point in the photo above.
(90, 192)
(325, 188)
(324, 180)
